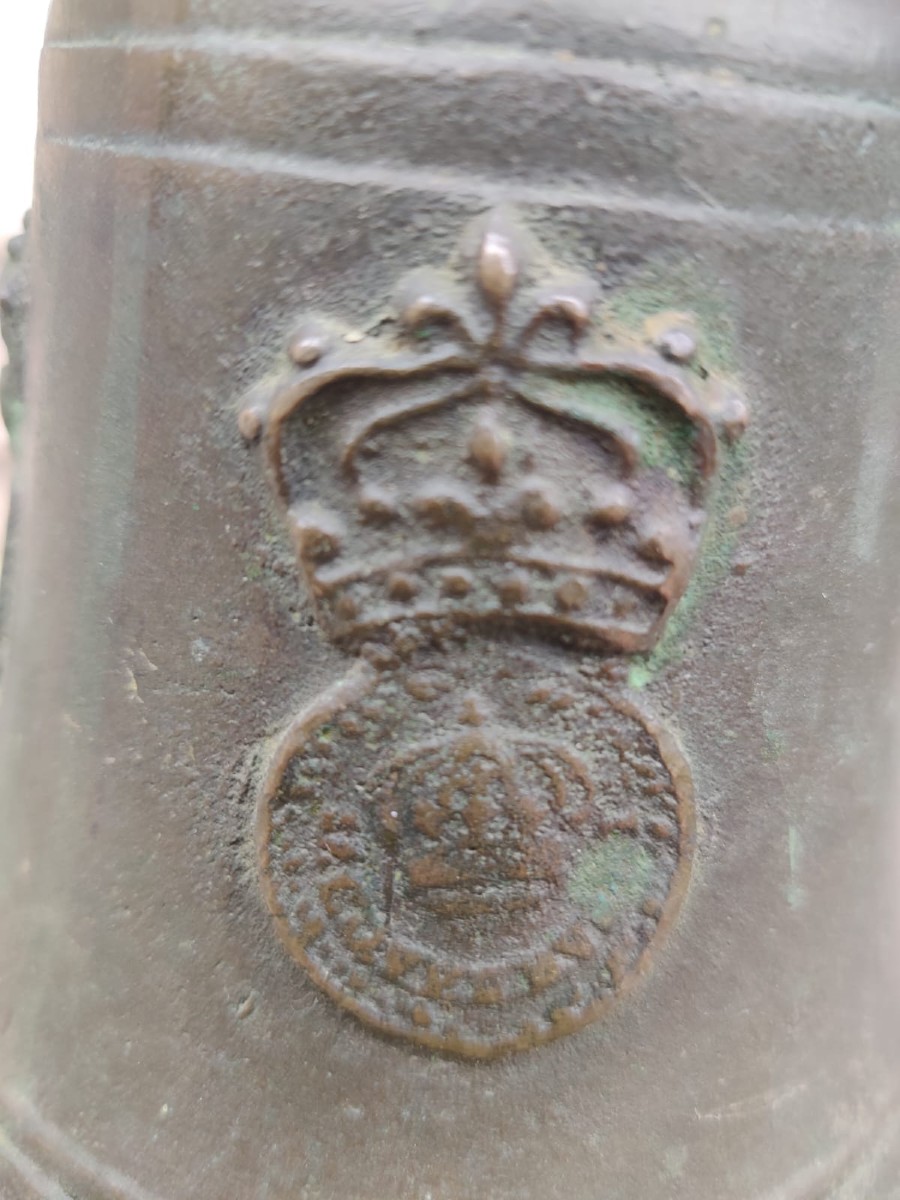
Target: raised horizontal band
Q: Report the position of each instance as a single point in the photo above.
(526, 118)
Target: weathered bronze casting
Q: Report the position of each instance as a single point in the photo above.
(456, 586)
(465, 842)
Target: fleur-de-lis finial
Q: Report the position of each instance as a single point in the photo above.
(498, 269)
(490, 310)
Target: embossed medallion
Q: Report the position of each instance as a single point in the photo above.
(453, 859)
(475, 837)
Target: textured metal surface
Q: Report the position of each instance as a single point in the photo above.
(466, 842)
(206, 173)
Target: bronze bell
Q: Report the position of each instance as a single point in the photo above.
(448, 720)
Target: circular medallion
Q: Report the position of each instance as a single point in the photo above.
(474, 851)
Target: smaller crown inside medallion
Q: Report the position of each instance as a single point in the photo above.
(496, 460)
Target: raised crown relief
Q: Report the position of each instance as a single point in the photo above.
(485, 488)
(473, 839)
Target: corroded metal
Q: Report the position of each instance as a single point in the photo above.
(617, 717)
(465, 842)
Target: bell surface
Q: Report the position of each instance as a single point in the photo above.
(447, 747)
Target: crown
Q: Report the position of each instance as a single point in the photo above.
(441, 797)
(490, 453)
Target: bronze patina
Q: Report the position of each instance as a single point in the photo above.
(468, 841)
(455, 605)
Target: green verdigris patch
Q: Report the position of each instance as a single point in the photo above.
(613, 878)
(663, 287)
(666, 441)
(666, 286)
(665, 438)
(727, 495)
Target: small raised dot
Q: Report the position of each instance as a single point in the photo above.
(488, 992)
(250, 423)
(377, 503)
(421, 1016)
(456, 583)
(571, 595)
(346, 607)
(677, 345)
(401, 586)
(446, 503)
(662, 830)
(341, 847)
(543, 972)
(540, 504)
(489, 446)
(626, 824)
(306, 349)
(498, 268)
(512, 589)
(658, 544)
(319, 534)
(611, 503)
(427, 685)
